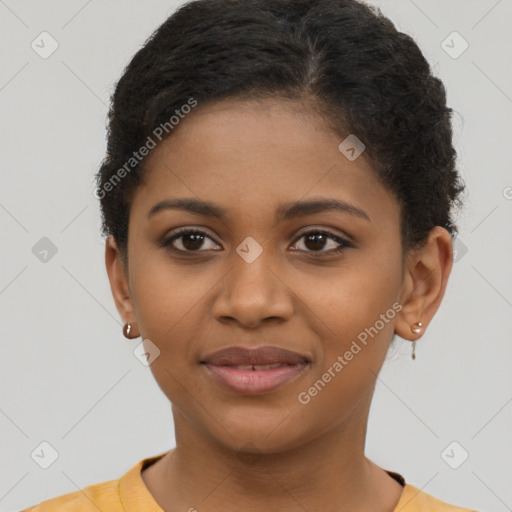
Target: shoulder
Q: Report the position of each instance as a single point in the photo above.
(416, 500)
(125, 493)
(102, 496)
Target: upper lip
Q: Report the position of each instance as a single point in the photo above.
(237, 355)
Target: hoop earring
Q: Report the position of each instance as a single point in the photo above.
(416, 329)
(127, 329)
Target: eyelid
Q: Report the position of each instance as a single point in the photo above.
(332, 232)
(176, 233)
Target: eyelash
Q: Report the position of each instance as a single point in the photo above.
(344, 244)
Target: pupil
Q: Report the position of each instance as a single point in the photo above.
(318, 241)
(197, 241)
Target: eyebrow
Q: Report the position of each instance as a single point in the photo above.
(284, 211)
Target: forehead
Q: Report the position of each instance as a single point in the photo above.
(248, 156)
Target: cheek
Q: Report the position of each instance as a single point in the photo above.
(355, 331)
(171, 307)
(344, 302)
(354, 322)
(164, 295)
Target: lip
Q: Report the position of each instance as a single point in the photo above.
(267, 354)
(234, 367)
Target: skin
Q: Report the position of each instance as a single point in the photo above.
(269, 452)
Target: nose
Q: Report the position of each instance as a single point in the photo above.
(253, 293)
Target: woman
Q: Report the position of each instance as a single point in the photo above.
(277, 203)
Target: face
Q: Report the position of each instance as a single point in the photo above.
(278, 268)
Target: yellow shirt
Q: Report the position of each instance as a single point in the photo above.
(130, 494)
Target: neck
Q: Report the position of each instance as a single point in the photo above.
(329, 473)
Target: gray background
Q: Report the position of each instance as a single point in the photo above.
(67, 375)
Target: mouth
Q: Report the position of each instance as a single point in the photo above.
(255, 371)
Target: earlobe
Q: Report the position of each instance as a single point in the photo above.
(118, 278)
(426, 276)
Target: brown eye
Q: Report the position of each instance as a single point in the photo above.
(315, 241)
(188, 240)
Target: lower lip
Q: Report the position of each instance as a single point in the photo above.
(255, 382)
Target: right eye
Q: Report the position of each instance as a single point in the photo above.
(190, 240)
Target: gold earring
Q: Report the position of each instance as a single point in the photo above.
(416, 329)
(127, 329)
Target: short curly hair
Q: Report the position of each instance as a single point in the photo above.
(343, 56)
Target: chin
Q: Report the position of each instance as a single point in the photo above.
(268, 435)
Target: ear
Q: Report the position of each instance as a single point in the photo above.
(426, 275)
(118, 276)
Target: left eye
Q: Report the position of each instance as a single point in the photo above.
(317, 240)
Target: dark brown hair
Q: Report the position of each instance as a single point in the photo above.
(365, 77)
